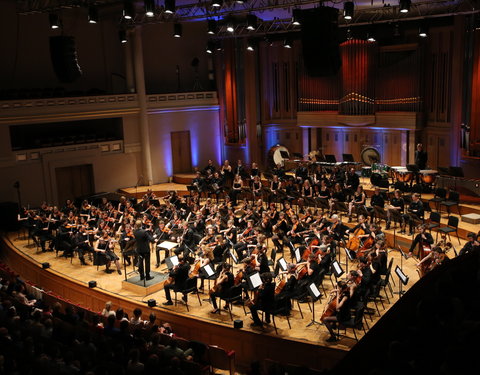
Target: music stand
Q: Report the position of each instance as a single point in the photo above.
(171, 262)
(207, 271)
(349, 256)
(254, 281)
(298, 256)
(403, 280)
(315, 294)
(337, 269)
(348, 158)
(330, 159)
(282, 264)
(233, 256)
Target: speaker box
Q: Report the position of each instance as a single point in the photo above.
(64, 58)
(45, 265)
(320, 41)
(237, 323)
(8, 217)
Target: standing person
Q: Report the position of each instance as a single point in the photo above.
(421, 157)
(143, 238)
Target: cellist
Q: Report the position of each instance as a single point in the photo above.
(222, 286)
(338, 309)
(360, 232)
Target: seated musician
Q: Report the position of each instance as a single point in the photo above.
(261, 260)
(306, 192)
(376, 200)
(240, 169)
(310, 275)
(199, 183)
(186, 241)
(294, 236)
(424, 239)
(43, 232)
(104, 249)
(275, 186)
(64, 239)
(264, 301)
(414, 213)
(362, 226)
(245, 238)
(149, 195)
(205, 256)
(435, 258)
(209, 167)
(338, 196)
(395, 209)
(337, 229)
(82, 244)
(380, 256)
(338, 310)
(257, 187)
(222, 286)
(357, 203)
(324, 253)
(254, 171)
(471, 246)
(352, 182)
(177, 279)
(278, 171)
(219, 249)
(161, 233)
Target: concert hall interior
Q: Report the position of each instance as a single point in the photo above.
(288, 186)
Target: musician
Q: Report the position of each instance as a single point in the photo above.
(43, 232)
(254, 171)
(338, 310)
(395, 208)
(357, 202)
(186, 241)
(257, 187)
(226, 173)
(161, 233)
(301, 173)
(240, 169)
(293, 236)
(423, 238)
(81, 243)
(209, 168)
(177, 279)
(222, 286)
(421, 157)
(336, 229)
(105, 253)
(279, 171)
(415, 212)
(362, 224)
(275, 186)
(149, 196)
(324, 253)
(472, 245)
(216, 185)
(69, 206)
(245, 238)
(236, 189)
(306, 192)
(219, 249)
(264, 301)
(435, 258)
(261, 260)
(337, 196)
(311, 275)
(204, 257)
(352, 182)
(143, 239)
(376, 200)
(323, 190)
(199, 183)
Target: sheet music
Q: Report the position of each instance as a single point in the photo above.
(167, 245)
(208, 270)
(283, 264)
(313, 288)
(256, 280)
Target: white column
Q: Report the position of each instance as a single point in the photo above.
(142, 101)
(129, 74)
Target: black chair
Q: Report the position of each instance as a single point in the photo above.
(380, 214)
(190, 286)
(439, 196)
(433, 221)
(355, 323)
(452, 200)
(384, 282)
(234, 295)
(452, 226)
(282, 307)
(301, 297)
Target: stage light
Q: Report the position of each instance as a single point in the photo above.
(296, 17)
(250, 46)
(287, 43)
(92, 14)
(210, 47)
(230, 27)
(92, 284)
(54, 21)
(122, 35)
(217, 3)
(211, 27)
(149, 8)
(177, 30)
(239, 1)
(170, 6)
(128, 10)
(405, 6)
(151, 302)
(348, 9)
(423, 30)
(371, 37)
(349, 34)
(251, 22)
(45, 265)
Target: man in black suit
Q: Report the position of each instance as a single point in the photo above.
(265, 300)
(143, 239)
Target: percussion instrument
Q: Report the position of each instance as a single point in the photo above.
(366, 171)
(380, 180)
(275, 156)
(463, 185)
(403, 175)
(370, 155)
(428, 176)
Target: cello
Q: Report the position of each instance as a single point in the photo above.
(353, 243)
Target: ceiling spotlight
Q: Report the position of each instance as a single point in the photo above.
(92, 14)
(128, 10)
(149, 7)
(251, 22)
(250, 46)
(211, 27)
(240, 1)
(287, 43)
(210, 47)
(217, 3)
(371, 37)
(296, 17)
(54, 21)
(230, 27)
(170, 6)
(177, 30)
(423, 31)
(405, 6)
(122, 35)
(348, 9)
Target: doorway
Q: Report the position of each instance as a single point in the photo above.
(181, 152)
(74, 181)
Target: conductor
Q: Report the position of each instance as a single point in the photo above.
(143, 239)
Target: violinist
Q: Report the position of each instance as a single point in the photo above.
(230, 232)
(261, 260)
(186, 241)
(177, 279)
(310, 274)
(127, 243)
(264, 301)
(143, 239)
(338, 309)
(219, 249)
(81, 243)
(149, 196)
(69, 206)
(222, 286)
(324, 253)
(244, 238)
(43, 232)
(104, 249)
(294, 235)
(161, 233)
(471, 246)
(422, 239)
(205, 257)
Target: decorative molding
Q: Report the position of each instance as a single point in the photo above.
(132, 147)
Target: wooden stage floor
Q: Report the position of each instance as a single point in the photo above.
(315, 334)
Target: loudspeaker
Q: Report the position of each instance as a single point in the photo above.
(237, 323)
(45, 265)
(64, 58)
(151, 302)
(92, 284)
(8, 218)
(320, 41)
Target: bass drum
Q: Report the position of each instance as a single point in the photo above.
(370, 155)
(275, 157)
